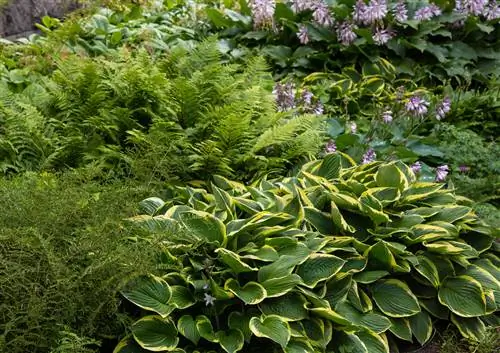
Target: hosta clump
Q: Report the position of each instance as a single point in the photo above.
(339, 258)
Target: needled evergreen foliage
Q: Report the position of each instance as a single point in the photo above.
(183, 116)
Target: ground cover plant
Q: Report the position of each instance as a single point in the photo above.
(340, 258)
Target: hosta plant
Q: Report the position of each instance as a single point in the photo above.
(339, 258)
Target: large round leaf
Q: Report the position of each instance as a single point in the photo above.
(151, 293)
(272, 327)
(277, 287)
(155, 333)
(205, 226)
(251, 293)
(182, 297)
(187, 327)
(231, 340)
(394, 298)
(319, 267)
(290, 307)
(372, 321)
(463, 295)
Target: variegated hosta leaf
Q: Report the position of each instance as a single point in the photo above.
(290, 307)
(470, 327)
(421, 326)
(150, 206)
(272, 327)
(372, 321)
(234, 261)
(205, 328)
(151, 293)
(155, 333)
(374, 343)
(349, 342)
(241, 322)
(297, 345)
(128, 345)
(394, 298)
(280, 268)
(181, 298)
(187, 327)
(400, 327)
(251, 293)
(205, 226)
(463, 295)
(319, 267)
(231, 340)
(276, 287)
(390, 175)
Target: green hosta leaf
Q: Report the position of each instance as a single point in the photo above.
(435, 308)
(451, 214)
(471, 327)
(157, 224)
(151, 205)
(394, 298)
(299, 346)
(427, 269)
(374, 343)
(330, 166)
(421, 327)
(204, 226)
(128, 345)
(367, 277)
(427, 232)
(280, 268)
(373, 208)
(240, 321)
(319, 267)
(349, 343)
(218, 292)
(290, 307)
(155, 333)
(231, 340)
(320, 220)
(276, 287)
(182, 297)
(331, 315)
(419, 191)
(271, 327)
(251, 293)
(375, 322)
(265, 253)
(452, 248)
(463, 295)
(151, 293)
(380, 256)
(205, 328)
(187, 327)
(391, 176)
(487, 280)
(234, 261)
(400, 327)
(339, 221)
(344, 201)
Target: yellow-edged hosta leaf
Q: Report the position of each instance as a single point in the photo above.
(187, 327)
(231, 341)
(400, 327)
(290, 307)
(463, 295)
(339, 220)
(276, 287)
(372, 321)
(319, 267)
(418, 191)
(151, 293)
(234, 261)
(394, 298)
(128, 345)
(470, 327)
(421, 326)
(251, 293)
(427, 269)
(272, 327)
(240, 321)
(389, 175)
(155, 333)
(204, 226)
(373, 342)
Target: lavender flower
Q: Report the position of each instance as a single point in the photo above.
(492, 11)
(209, 300)
(463, 168)
(318, 108)
(353, 127)
(303, 5)
(369, 156)
(359, 12)
(427, 12)
(345, 33)
(441, 173)
(381, 36)
(400, 11)
(321, 14)
(375, 11)
(330, 147)
(387, 116)
(474, 7)
(303, 35)
(416, 167)
(306, 97)
(285, 96)
(417, 106)
(263, 12)
(443, 108)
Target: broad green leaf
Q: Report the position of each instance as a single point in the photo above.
(231, 340)
(151, 293)
(234, 261)
(320, 220)
(451, 214)
(427, 269)
(151, 205)
(299, 346)
(337, 289)
(128, 345)
(240, 321)
(182, 297)
(470, 327)
(290, 307)
(391, 176)
(319, 267)
(155, 333)
(331, 315)
(331, 166)
(394, 298)
(280, 268)
(452, 248)
(463, 295)
(187, 327)
(205, 226)
(421, 327)
(435, 308)
(339, 220)
(272, 327)
(380, 257)
(400, 327)
(419, 191)
(205, 328)
(276, 287)
(427, 233)
(367, 277)
(264, 253)
(251, 293)
(372, 321)
(374, 343)
(349, 343)
(487, 280)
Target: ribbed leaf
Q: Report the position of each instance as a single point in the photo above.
(155, 333)
(205, 226)
(421, 327)
(182, 297)
(187, 327)
(151, 293)
(271, 327)
(290, 307)
(394, 298)
(128, 345)
(280, 268)
(276, 287)
(299, 346)
(427, 269)
(349, 342)
(240, 321)
(471, 327)
(367, 277)
(251, 293)
(319, 267)
(389, 175)
(234, 261)
(151, 205)
(372, 321)
(205, 328)
(374, 343)
(463, 295)
(400, 327)
(339, 220)
(231, 340)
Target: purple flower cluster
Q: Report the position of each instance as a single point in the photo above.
(416, 167)
(321, 14)
(427, 12)
(303, 5)
(263, 12)
(285, 96)
(303, 34)
(492, 11)
(400, 12)
(474, 7)
(370, 13)
(369, 156)
(417, 106)
(381, 36)
(443, 108)
(442, 173)
(387, 117)
(345, 33)
(330, 147)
